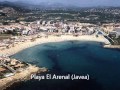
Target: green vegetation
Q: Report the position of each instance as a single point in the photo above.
(69, 15)
(9, 32)
(5, 23)
(116, 41)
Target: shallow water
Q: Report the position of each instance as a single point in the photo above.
(74, 57)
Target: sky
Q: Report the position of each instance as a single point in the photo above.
(75, 2)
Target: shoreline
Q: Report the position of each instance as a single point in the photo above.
(112, 46)
(24, 45)
(19, 77)
(22, 76)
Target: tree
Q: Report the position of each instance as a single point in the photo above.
(5, 23)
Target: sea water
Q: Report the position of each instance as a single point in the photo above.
(73, 57)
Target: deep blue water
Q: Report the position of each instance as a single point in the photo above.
(74, 57)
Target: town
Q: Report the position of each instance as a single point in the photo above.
(46, 23)
(18, 27)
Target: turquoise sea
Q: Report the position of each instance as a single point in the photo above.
(73, 57)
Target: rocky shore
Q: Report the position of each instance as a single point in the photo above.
(21, 76)
(112, 46)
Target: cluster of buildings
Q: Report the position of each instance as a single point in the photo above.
(112, 29)
(50, 27)
(104, 10)
(65, 27)
(24, 28)
(25, 31)
(14, 40)
(8, 10)
(8, 67)
(14, 27)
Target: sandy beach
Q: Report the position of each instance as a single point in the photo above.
(23, 45)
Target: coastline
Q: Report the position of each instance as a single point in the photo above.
(22, 76)
(112, 46)
(24, 45)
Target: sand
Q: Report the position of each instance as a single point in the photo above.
(32, 69)
(23, 45)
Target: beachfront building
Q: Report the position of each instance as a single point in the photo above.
(1, 30)
(26, 32)
(91, 30)
(115, 33)
(110, 27)
(71, 30)
(107, 28)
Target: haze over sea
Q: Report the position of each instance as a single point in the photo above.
(73, 57)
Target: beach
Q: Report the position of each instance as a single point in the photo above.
(76, 57)
(23, 45)
(6, 82)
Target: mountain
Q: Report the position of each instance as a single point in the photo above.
(20, 7)
(27, 7)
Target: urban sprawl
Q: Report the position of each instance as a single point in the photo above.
(18, 27)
